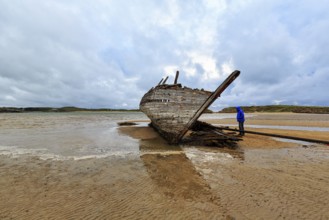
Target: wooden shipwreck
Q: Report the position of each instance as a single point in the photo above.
(174, 109)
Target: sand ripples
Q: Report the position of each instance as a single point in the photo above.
(289, 185)
(109, 188)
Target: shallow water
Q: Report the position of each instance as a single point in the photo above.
(81, 135)
(126, 178)
(222, 116)
(66, 135)
(296, 128)
(76, 135)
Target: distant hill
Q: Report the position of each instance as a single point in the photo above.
(67, 109)
(49, 109)
(280, 108)
(248, 109)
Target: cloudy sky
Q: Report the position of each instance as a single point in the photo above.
(108, 53)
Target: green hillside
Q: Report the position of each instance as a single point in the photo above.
(280, 108)
(49, 109)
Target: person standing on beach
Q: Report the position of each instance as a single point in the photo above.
(240, 119)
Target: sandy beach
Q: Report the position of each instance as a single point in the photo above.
(264, 178)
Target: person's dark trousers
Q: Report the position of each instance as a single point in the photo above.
(241, 128)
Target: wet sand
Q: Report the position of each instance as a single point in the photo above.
(263, 178)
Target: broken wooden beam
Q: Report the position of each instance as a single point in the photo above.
(164, 82)
(207, 135)
(276, 135)
(176, 78)
(160, 81)
(209, 101)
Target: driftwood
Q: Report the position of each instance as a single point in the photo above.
(276, 135)
(207, 135)
(126, 123)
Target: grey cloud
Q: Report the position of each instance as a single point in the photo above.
(277, 47)
(109, 53)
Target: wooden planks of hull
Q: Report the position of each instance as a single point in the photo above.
(173, 109)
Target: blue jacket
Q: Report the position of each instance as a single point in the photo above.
(240, 114)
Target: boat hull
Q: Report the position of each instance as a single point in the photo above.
(171, 108)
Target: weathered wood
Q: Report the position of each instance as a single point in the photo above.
(170, 113)
(206, 134)
(176, 78)
(160, 81)
(173, 109)
(208, 137)
(277, 135)
(209, 101)
(164, 82)
(126, 123)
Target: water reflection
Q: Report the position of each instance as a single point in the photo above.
(65, 135)
(208, 156)
(172, 169)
